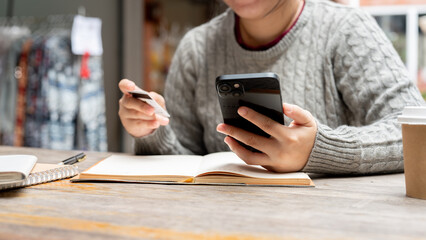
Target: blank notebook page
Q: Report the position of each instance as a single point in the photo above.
(177, 165)
(230, 162)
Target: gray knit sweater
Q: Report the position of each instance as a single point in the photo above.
(335, 62)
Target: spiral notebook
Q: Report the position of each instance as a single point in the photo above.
(43, 173)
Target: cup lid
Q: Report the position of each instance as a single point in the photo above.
(413, 115)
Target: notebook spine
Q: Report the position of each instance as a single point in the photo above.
(44, 177)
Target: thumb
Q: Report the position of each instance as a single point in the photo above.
(299, 115)
(126, 85)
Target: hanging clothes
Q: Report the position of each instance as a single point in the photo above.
(21, 75)
(45, 101)
(11, 42)
(61, 86)
(92, 107)
(36, 111)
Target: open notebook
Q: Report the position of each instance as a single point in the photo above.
(216, 168)
(15, 168)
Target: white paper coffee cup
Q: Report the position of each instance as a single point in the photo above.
(413, 120)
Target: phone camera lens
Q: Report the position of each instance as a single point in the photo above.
(225, 88)
(237, 94)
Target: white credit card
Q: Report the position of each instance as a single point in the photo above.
(144, 96)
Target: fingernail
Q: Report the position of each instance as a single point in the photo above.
(162, 118)
(220, 128)
(289, 108)
(130, 85)
(242, 111)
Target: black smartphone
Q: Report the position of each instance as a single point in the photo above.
(258, 91)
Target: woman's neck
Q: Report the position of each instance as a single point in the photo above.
(258, 32)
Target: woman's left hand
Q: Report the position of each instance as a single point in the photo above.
(286, 150)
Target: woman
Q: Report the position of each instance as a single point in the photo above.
(342, 82)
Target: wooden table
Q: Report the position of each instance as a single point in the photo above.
(372, 207)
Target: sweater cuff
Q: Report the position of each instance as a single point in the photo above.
(159, 142)
(333, 153)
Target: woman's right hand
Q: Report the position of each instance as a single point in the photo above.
(137, 117)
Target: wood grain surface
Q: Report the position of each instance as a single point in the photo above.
(368, 207)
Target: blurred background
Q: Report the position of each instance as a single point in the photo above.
(45, 79)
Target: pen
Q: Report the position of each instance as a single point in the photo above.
(74, 159)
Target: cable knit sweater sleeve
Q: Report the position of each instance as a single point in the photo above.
(184, 134)
(375, 87)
